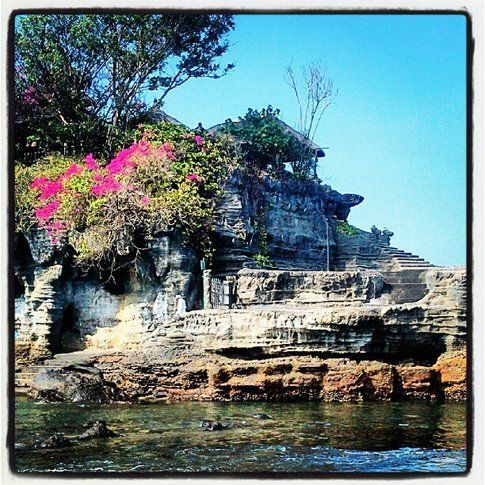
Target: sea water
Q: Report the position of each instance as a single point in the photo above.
(297, 437)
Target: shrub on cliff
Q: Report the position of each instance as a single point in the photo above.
(167, 179)
(346, 228)
(267, 143)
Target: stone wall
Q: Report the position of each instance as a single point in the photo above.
(256, 287)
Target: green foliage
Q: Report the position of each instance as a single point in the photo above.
(266, 143)
(264, 140)
(346, 228)
(168, 180)
(26, 200)
(262, 259)
(81, 79)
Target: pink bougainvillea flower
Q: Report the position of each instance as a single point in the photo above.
(47, 187)
(193, 177)
(39, 183)
(50, 188)
(166, 150)
(145, 200)
(105, 186)
(91, 163)
(123, 161)
(199, 140)
(45, 213)
(55, 226)
(73, 169)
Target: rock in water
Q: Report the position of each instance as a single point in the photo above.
(261, 416)
(209, 425)
(55, 441)
(97, 429)
(72, 383)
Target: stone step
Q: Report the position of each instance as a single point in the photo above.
(410, 257)
(408, 286)
(418, 264)
(409, 280)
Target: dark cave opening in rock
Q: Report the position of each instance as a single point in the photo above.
(22, 252)
(117, 282)
(19, 287)
(69, 337)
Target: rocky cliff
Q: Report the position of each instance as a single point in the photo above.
(299, 218)
(58, 309)
(346, 349)
(383, 324)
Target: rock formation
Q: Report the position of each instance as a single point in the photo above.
(383, 324)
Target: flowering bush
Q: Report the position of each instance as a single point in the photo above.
(168, 178)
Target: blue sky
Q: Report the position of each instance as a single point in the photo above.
(397, 130)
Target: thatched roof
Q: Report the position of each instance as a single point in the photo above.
(288, 129)
(160, 115)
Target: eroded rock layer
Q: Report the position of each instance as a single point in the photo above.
(148, 377)
(351, 351)
(344, 317)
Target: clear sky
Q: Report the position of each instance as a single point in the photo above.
(397, 130)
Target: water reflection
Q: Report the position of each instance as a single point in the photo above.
(298, 437)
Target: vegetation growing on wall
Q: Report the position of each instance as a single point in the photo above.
(262, 258)
(168, 179)
(346, 228)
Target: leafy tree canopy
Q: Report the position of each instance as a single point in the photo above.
(82, 78)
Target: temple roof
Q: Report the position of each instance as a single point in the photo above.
(288, 129)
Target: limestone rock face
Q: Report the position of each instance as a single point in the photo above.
(256, 287)
(417, 382)
(38, 320)
(76, 383)
(452, 368)
(281, 317)
(131, 376)
(40, 245)
(382, 325)
(298, 216)
(59, 310)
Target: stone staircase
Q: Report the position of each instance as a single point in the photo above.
(402, 259)
(402, 272)
(403, 275)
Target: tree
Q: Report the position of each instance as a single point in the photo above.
(314, 93)
(263, 139)
(88, 74)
